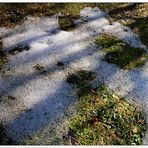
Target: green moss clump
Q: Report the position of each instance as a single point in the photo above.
(121, 53)
(106, 40)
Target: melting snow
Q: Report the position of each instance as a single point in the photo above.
(43, 98)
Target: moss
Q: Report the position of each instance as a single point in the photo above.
(139, 62)
(106, 40)
(82, 81)
(66, 23)
(80, 77)
(121, 53)
(104, 118)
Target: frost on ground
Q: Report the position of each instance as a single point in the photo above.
(42, 99)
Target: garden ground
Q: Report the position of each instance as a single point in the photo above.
(42, 52)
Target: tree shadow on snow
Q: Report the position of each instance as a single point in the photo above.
(52, 105)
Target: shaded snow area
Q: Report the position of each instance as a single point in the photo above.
(41, 100)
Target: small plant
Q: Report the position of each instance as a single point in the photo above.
(121, 53)
(66, 23)
(39, 68)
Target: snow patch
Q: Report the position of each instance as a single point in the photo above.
(43, 98)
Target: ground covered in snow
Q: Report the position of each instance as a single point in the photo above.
(43, 100)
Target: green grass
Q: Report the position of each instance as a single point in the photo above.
(121, 53)
(104, 118)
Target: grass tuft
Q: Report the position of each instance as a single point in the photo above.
(106, 40)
